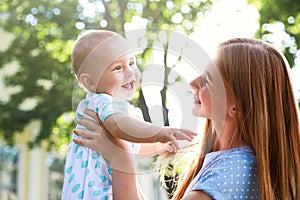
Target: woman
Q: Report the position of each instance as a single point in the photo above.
(261, 124)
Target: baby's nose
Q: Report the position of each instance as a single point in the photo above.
(130, 71)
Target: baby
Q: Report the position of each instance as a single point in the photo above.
(105, 66)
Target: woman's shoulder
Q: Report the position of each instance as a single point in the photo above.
(239, 154)
(238, 160)
(231, 173)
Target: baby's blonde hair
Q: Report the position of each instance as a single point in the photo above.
(85, 44)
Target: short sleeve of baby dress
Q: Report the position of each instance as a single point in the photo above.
(105, 105)
(229, 174)
(87, 174)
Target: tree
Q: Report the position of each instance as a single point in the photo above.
(41, 47)
(284, 14)
(44, 32)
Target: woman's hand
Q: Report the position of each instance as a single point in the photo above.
(116, 151)
(95, 133)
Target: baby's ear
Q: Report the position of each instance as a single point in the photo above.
(86, 80)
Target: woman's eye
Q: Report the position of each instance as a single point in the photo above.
(203, 83)
(118, 67)
(131, 63)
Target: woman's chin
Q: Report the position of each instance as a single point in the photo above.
(195, 112)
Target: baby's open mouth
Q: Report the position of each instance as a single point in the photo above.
(129, 85)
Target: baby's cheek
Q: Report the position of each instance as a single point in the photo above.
(138, 74)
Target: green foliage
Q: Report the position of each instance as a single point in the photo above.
(60, 136)
(42, 51)
(285, 13)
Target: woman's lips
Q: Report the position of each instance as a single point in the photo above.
(196, 100)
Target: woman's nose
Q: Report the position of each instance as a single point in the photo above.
(194, 84)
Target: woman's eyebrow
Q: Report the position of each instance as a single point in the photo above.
(207, 74)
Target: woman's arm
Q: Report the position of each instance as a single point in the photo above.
(124, 183)
(197, 195)
(125, 186)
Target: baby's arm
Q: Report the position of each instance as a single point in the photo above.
(152, 149)
(134, 130)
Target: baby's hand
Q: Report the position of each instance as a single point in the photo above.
(164, 149)
(173, 134)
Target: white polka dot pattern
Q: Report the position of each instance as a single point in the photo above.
(229, 174)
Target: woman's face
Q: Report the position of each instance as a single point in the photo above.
(209, 94)
(202, 98)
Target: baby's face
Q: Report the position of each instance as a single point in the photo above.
(120, 78)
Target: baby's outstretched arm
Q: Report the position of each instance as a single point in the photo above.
(134, 130)
(153, 149)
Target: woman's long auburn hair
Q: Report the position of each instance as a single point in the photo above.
(267, 116)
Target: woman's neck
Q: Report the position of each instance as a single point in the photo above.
(227, 136)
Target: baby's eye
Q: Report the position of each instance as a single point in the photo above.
(131, 63)
(119, 67)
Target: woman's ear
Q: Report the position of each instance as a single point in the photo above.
(87, 82)
(232, 111)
